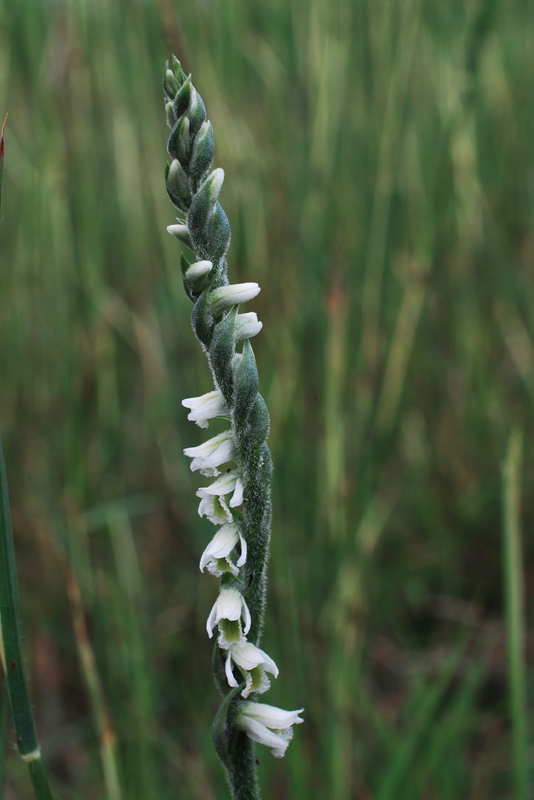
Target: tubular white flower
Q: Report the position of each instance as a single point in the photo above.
(210, 455)
(207, 406)
(216, 555)
(232, 295)
(229, 482)
(247, 325)
(227, 612)
(257, 718)
(253, 663)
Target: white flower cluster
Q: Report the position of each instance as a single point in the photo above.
(263, 723)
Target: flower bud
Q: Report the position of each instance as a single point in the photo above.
(180, 232)
(170, 84)
(232, 295)
(183, 98)
(169, 113)
(197, 271)
(177, 182)
(178, 71)
(247, 326)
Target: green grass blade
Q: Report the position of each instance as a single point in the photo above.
(2, 160)
(515, 613)
(27, 742)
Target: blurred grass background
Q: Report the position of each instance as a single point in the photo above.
(379, 183)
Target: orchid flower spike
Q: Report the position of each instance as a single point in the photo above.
(239, 499)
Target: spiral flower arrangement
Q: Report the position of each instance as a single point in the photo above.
(239, 499)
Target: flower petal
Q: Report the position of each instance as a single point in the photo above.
(212, 619)
(224, 485)
(243, 557)
(237, 497)
(229, 604)
(246, 618)
(229, 673)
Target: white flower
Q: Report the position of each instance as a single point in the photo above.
(232, 295)
(229, 482)
(213, 507)
(247, 325)
(216, 555)
(253, 663)
(206, 407)
(210, 455)
(256, 719)
(227, 612)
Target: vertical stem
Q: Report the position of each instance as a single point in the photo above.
(103, 721)
(515, 613)
(2, 159)
(27, 741)
(39, 780)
